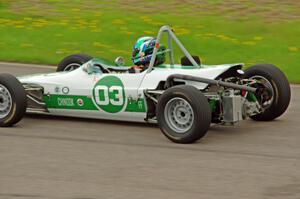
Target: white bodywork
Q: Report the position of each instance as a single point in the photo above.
(79, 94)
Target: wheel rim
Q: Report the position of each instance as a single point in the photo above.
(72, 66)
(5, 101)
(179, 115)
(266, 98)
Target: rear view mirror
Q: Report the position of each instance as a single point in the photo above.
(120, 61)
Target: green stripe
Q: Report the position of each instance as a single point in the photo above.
(69, 102)
(72, 102)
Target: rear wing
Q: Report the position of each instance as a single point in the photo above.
(171, 36)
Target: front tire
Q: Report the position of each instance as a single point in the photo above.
(278, 83)
(183, 114)
(13, 101)
(73, 62)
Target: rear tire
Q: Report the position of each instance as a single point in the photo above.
(13, 101)
(72, 62)
(183, 114)
(280, 86)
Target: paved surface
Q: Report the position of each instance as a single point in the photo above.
(48, 157)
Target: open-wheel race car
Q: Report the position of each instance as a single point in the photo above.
(184, 99)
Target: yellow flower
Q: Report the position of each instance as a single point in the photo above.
(27, 18)
(38, 24)
(123, 28)
(128, 32)
(148, 32)
(200, 26)
(61, 51)
(26, 45)
(293, 49)
(118, 22)
(75, 9)
(223, 37)
(100, 45)
(257, 38)
(181, 31)
(19, 26)
(249, 43)
(118, 51)
(98, 14)
(209, 34)
(96, 30)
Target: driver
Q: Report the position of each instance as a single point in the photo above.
(142, 54)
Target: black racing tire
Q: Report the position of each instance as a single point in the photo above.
(190, 98)
(77, 60)
(281, 88)
(13, 100)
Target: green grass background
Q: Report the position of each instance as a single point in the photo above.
(45, 31)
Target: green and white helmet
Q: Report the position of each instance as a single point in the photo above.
(143, 49)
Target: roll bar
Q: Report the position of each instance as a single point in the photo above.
(171, 36)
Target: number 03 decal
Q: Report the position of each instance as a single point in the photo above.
(109, 94)
(113, 95)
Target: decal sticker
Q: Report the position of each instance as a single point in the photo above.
(109, 94)
(56, 89)
(65, 101)
(80, 102)
(65, 90)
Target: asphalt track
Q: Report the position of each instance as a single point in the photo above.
(67, 158)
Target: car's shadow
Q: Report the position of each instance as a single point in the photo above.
(89, 120)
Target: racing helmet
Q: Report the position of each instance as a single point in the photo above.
(143, 49)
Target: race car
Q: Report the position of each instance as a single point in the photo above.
(183, 99)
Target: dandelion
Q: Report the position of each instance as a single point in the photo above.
(61, 51)
(123, 28)
(200, 26)
(128, 32)
(93, 26)
(26, 45)
(27, 18)
(75, 9)
(182, 31)
(81, 26)
(293, 49)
(82, 21)
(38, 24)
(98, 14)
(118, 22)
(257, 38)
(118, 51)
(19, 26)
(224, 37)
(147, 20)
(235, 41)
(96, 30)
(248, 43)
(144, 17)
(148, 32)
(210, 34)
(157, 23)
(98, 44)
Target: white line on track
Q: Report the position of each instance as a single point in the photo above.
(26, 65)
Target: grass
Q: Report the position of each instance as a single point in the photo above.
(45, 31)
